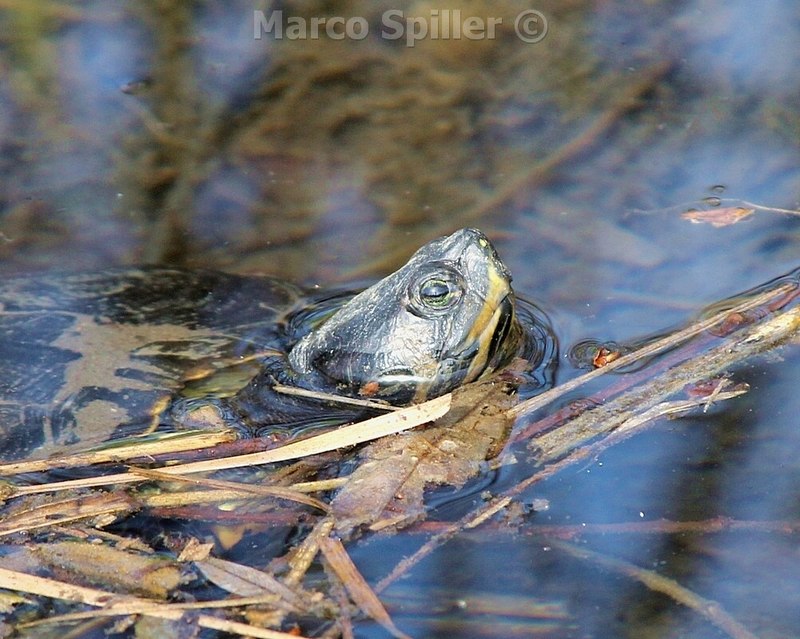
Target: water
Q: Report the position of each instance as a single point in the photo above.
(329, 161)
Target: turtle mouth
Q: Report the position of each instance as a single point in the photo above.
(495, 356)
(491, 342)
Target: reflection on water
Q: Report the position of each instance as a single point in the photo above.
(167, 132)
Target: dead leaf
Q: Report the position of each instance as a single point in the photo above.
(719, 217)
(195, 551)
(604, 356)
(387, 488)
(247, 582)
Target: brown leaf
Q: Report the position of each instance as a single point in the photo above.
(718, 217)
(245, 581)
(386, 490)
(604, 356)
(195, 551)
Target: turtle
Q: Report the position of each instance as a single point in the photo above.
(92, 357)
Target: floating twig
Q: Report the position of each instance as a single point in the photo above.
(330, 397)
(358, 588)
(132, 448)
(651, 349)
(278, 492)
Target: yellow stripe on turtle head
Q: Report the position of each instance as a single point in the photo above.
(487, 321)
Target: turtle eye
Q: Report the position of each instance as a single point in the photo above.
(438, 293)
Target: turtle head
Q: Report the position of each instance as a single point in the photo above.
(445, 318)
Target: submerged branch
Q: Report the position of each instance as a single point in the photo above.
(707, 608)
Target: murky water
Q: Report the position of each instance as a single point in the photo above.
(167, 132)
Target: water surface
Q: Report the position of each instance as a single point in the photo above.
(168, 133)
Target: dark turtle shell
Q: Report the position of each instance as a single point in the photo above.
(92, 357)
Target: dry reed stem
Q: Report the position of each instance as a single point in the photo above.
(654, 348)
(375, 428)
(124, 604)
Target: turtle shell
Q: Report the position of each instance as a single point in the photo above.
(89, 357)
